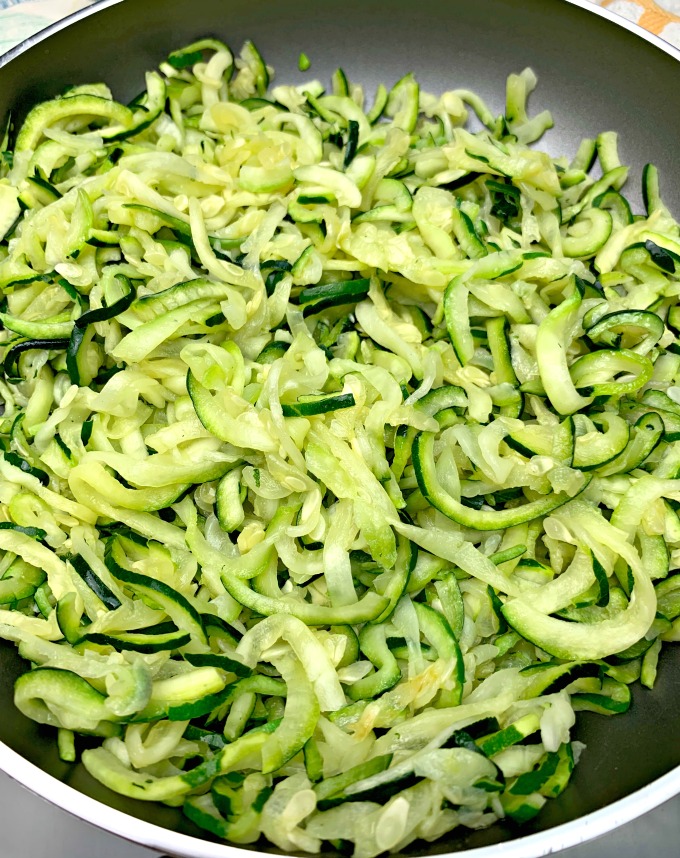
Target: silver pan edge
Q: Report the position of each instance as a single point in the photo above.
(143, 833)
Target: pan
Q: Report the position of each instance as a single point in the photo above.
(595, 73)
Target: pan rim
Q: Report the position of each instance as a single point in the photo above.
(100, 5)
(154, 837)
(167, 842)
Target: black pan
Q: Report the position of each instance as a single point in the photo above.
(594, 75)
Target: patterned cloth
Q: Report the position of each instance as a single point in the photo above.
(20, 19)
(659, 16)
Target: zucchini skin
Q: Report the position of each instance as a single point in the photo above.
(483, 520)
(326, 430)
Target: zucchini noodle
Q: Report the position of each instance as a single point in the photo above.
(340, 447)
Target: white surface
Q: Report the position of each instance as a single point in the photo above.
(32, 828)
(21, 18)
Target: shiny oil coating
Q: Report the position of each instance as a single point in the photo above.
(584, 65)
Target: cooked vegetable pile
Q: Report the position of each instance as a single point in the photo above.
(340, 447)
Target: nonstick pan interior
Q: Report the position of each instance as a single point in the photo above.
(593, 75)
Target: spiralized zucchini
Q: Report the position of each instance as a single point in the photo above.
(341, 447)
